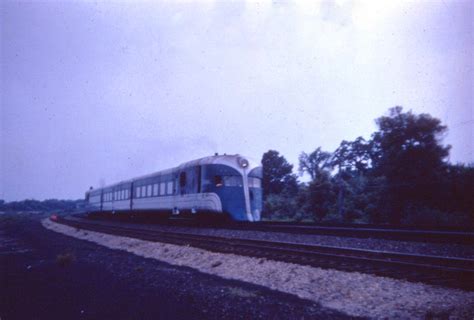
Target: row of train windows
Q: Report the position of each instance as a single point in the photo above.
(153, 190)
(164, 188)
(117, 195)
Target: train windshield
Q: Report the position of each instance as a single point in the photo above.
(255, 182)
(228, 181)
(255, 178)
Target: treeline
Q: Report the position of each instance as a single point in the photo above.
(46, 205)
(400, 176)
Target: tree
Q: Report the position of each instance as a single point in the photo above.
(277, 174)
(406, 150)
(314, 163)
(352, 156)
(352, 160)
(321, 195)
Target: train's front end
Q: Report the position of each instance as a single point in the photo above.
(237, 182)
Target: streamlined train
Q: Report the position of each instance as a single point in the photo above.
(220, 186)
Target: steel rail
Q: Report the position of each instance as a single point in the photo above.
(452, 272)
(356, 231)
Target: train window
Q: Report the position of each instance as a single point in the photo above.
(148, 190)
(162, 188)
(232, 181)
(255, 182)
(126, 194)
(155, 189)
(137, 192)
(218, 181)
(169, 187)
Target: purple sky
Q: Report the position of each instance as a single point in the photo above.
(93, 93)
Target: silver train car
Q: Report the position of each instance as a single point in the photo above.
(224, 186)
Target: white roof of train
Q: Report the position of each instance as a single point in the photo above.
(228, 160)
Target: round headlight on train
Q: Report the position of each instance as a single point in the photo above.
(243, 162)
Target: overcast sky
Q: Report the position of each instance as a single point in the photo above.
(97, 92)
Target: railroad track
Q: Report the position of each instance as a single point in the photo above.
(450, 272)
(459, 237)
(355, 231)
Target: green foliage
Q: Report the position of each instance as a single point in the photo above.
(352, 156)
(407, 151)
(314, 163)
(420, 215)
(65, 259)
(321, 192)
(277, 174)
(279, 207)
(400, 176)
(46, 205)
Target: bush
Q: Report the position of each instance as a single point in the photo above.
(65, 259)
(422, 216)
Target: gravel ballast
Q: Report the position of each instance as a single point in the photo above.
(352, 293)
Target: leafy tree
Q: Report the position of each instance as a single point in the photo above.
(321, 195)
(352, 156)
(314, 163)
(277, 174)
(407, 151)
(351, 159)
